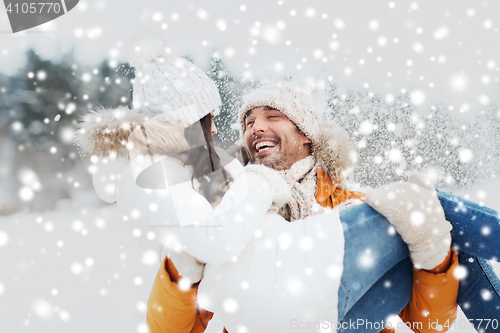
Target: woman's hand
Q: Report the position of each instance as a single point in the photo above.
(187, 266)
(279, 188)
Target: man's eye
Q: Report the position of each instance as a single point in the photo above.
(249, 123)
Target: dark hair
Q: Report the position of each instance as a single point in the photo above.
(205, 160)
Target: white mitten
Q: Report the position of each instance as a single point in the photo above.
(187, 266)
(279, 187)
(416, 213)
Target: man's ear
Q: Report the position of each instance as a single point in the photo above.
(307, 144)
(305, 140)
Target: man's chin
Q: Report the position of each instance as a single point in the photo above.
(269, 161)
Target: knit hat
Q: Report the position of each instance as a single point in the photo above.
(331, 145)
(300, 104)
(170, 88)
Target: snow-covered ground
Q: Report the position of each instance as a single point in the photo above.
(80, 270)
(72, 271)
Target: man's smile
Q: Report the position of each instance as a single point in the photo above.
(264, 145)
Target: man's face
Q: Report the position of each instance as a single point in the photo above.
(273, 140)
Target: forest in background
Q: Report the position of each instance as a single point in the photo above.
(40, 168)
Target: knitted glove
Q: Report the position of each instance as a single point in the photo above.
(414, 210)
(187, 266)
(280, 189)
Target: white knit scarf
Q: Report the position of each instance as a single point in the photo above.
(302, 178)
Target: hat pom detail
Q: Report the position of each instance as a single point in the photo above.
(145, 47)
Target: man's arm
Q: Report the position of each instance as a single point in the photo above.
(171, 309)
(434, 297)
(433, 303)
(434, 292)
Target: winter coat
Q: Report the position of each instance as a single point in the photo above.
(433, 298)
(135, 186)
(157, 191)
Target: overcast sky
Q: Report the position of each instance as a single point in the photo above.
(440, 51)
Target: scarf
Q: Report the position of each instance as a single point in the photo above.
(302, 179)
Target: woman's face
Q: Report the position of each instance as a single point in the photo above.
(214, 128)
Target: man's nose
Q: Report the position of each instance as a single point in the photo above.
(259, 126)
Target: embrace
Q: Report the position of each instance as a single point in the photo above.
(276, 241)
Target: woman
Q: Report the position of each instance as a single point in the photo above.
(179, 175)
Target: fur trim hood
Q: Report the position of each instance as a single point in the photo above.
(335, 151)
(117, 131)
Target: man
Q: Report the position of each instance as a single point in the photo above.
(282, 130)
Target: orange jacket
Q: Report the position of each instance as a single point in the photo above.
(171, 309)
(434, 293)
(433, 299)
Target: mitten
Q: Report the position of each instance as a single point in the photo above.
(279, 187)
(187, 266)
(416, 213)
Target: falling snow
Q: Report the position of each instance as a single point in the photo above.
(411, 87)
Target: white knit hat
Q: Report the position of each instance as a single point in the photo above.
(300, 104)
(304, 106)
(170, 88)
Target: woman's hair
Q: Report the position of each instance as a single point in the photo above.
(205, 161)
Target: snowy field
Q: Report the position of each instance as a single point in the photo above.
(80, 270)
(72, 271)
(77, 268)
